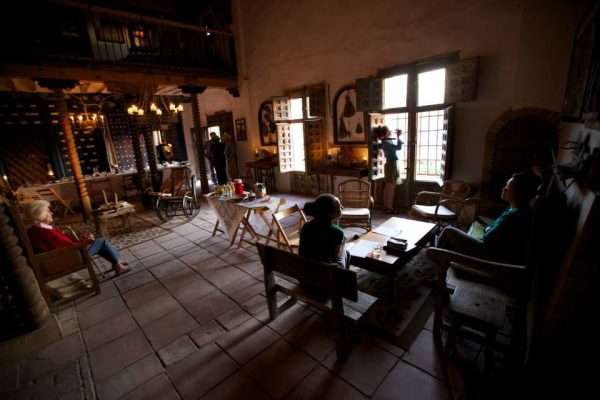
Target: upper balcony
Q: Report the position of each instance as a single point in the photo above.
(72, 40)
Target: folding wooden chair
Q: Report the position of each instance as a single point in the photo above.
(287, 234)
(56, 200)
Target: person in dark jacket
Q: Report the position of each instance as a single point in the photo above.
(217, 152)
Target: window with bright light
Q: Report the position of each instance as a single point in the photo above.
(431, 86)
(430, 138)
(216, 129)
(297, 139)
(394, 122)
(395, 91)
(296, 108)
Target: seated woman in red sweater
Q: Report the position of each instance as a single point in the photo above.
(44, 237)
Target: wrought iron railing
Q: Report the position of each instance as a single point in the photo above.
(82, 35)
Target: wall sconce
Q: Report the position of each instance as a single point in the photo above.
(329, 155)
(50, 172)
(256, 152)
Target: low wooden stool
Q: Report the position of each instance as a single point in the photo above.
(102, 217)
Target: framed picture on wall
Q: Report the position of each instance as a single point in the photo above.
(583, 72)
(266, 125)
(240, 129)
(348, 124)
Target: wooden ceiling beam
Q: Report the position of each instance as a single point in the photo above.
(126, 76)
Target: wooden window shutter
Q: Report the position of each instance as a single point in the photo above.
(281, 108)
(284, 146)
(369, 94)
(461, 81)
(314, 132)
(445, 168)
(318, 100)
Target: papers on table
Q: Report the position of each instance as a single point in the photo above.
(362, 248)
(382, 230)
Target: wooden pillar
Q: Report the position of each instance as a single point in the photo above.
(61, 106)
(18, 276)
(155, 176)
(194, 91)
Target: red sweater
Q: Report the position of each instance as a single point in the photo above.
(46, 239)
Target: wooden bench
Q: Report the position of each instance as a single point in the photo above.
(341, 297)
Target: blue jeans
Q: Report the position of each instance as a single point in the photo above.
(104, 249)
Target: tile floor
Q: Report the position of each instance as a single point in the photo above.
(189, 321)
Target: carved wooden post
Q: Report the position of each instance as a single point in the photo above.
(194, 91)
(20, 279)
(137, 154)
(61, 106)
(151, 153)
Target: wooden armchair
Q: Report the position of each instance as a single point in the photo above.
(53, 269)
(342, 299)
(443, 207)
(355, 196)
(286, 226)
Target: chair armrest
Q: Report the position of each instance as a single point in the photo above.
(82, 245)
(428, 198)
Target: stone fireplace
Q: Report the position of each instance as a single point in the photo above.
(516, 141)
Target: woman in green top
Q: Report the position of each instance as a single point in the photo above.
(506, 239)
(321, 238)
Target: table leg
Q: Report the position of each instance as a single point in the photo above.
(247, 228)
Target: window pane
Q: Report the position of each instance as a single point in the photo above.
(429, 145)
(431, 87)
(394, 91)
(296, 108)
(297, 139)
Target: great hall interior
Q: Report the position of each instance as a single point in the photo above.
(107, 109)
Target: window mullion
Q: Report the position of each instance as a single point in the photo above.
(411, 135)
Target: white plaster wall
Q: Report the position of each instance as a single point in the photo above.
(524, 47)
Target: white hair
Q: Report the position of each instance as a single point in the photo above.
(36, 210)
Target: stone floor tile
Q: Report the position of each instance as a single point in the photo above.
(167, 268)
(209, 264)
(154, 309)
(287, 320)
(193, 291)
(166, 329)
(175, 242)
(233, 318)
(143, 294)
(147, 252)
(246, 348)
(158, 387)
(251, 268)
(108, 290)
(199, 236)
(134, 280)
(225, 276)
(210, 307)
(101, 311)
(423, 355)
(364, 367)
(157, 259)
(166, 238)
(176, 350)
(237, 386)
(108, 330)
(184, 229)
(184, 249)
(118, 354)
(279, 369)
(129, 378)
(143, 245)
(323, 385)
(314, 336)
(255, 305)
(240, 255)
(201, 371)
(243, 289)
(408, 382)
(206, 333)
(196, 257)
(239, 333)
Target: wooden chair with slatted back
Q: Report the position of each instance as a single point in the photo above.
(57, 202)
(355, 197)
(55, 269)
(286, 226)
(443, 207)
(100, 188)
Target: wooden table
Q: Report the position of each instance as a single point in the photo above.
(232, 215)
(417, 235)
(334, 170)
(102, 218)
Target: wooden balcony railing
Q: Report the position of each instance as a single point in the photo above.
(80, 35)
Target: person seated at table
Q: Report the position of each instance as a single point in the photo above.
(44, 237)
(507, 238)
(321, 238)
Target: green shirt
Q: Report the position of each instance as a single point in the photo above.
(507, 238)
(318, 241)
